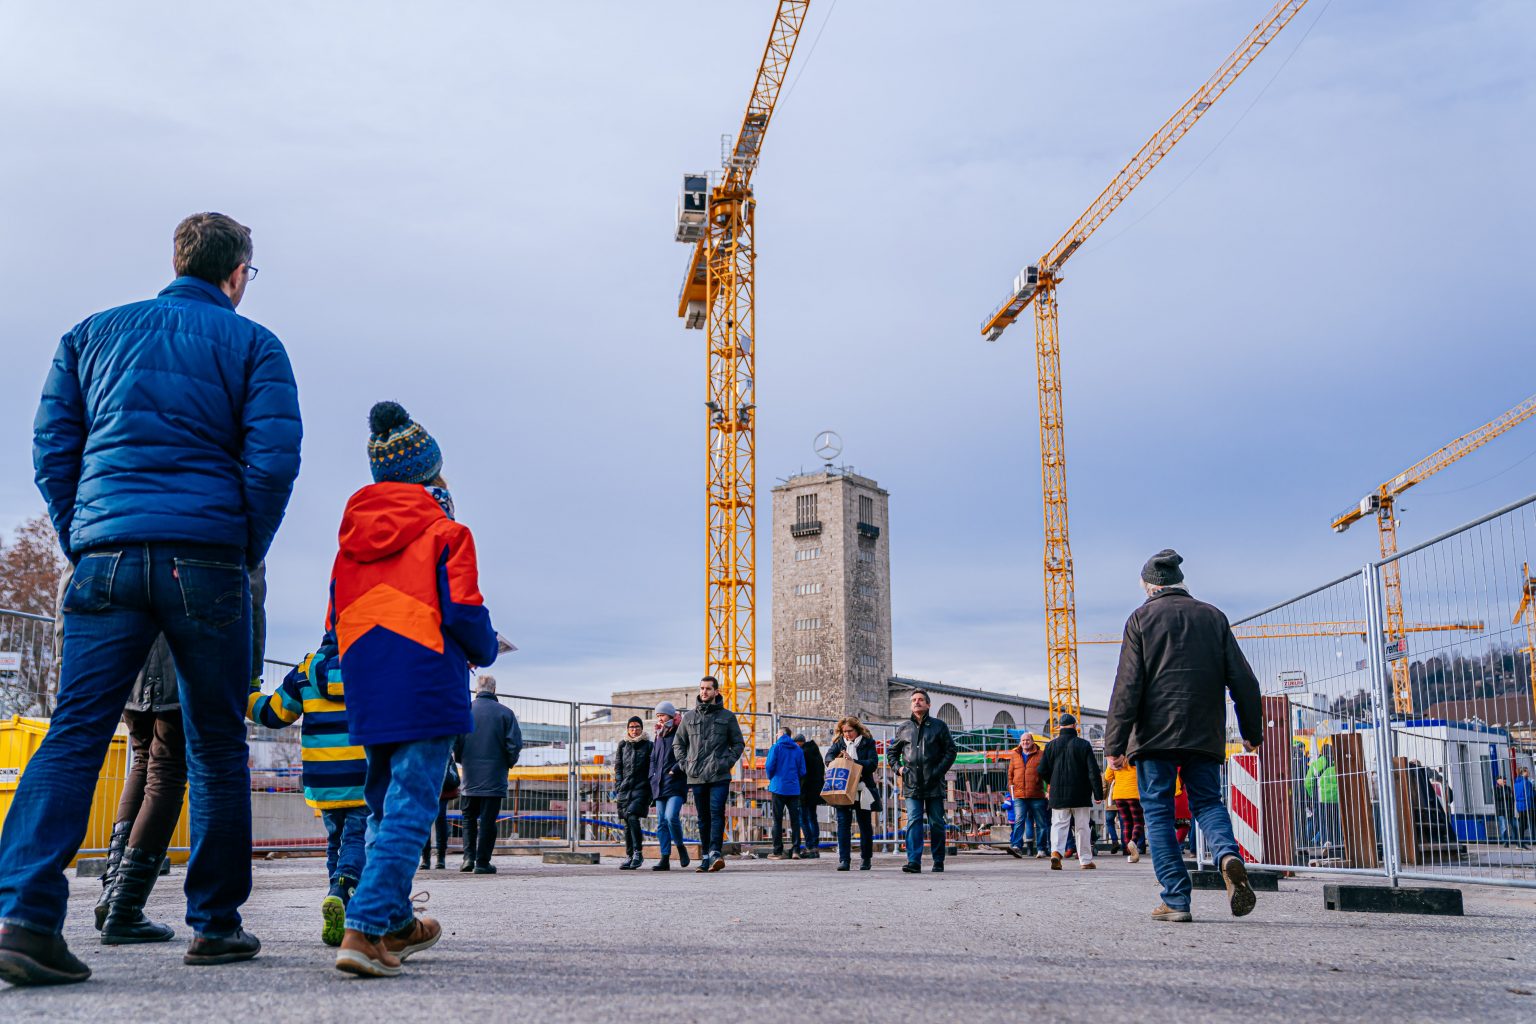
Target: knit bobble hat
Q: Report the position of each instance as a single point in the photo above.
(1162, 569)
(399, 449)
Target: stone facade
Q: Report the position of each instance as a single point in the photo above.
(831, 571)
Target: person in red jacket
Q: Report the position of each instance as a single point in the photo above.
(409, 621)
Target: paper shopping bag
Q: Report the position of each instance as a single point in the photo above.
(841, 787)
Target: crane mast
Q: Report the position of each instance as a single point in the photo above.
(719, 296)
(1036, 285)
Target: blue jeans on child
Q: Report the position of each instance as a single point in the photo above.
(1202, 783)
(931, 810)
(669, 824)
(120, 599)
(346, 831)
(402, 787)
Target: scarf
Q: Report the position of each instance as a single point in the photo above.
(666, 729)
(443, 498)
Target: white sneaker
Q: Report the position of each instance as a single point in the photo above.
(1134, 855)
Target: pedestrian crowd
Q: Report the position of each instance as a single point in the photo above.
(166, 446)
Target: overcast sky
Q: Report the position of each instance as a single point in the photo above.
(469, 209)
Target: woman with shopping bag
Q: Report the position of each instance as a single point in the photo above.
(855, 743)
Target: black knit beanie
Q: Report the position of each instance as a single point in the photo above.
(1162, 569)
(634, 720)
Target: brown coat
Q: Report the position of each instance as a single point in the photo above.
(1024, 780)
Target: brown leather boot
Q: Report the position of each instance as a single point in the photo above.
(420, 934)
(364, 956)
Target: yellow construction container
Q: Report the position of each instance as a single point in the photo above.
(19, 740)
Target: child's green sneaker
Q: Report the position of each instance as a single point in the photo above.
(334, 913)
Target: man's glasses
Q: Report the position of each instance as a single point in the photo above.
(250, 272)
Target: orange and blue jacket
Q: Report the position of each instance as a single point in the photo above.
(407, 616)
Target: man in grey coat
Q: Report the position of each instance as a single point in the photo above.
(708, 745)
(485, 756)
(1167, 715)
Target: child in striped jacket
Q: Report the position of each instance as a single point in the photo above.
(334, 770)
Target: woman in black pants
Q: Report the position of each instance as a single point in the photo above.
(855, 741)
(632, 789)
(445, 796)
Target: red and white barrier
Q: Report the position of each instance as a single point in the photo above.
(1243, 804)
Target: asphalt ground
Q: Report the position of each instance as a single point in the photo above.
(991, 939)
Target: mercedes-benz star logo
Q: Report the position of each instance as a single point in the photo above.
(828, 445)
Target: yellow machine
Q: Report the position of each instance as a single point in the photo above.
(1036, 284)
(1381, 504)
(718, 296)
(1527, 611)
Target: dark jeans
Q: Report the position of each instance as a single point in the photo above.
(786, 805)
(1330, 829)
(480, 813)
(709, 802)
(931, 811)
(346, 833)
(441, 827)
(157, 779)
(1031, 820)
(404, 780)
(810, 828)
(845, 819)
(120, 599)
(1202, 783)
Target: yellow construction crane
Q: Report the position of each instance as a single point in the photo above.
(1527, 611)
(1036, 284)
(1292, 630)
(718, 297)
(1381, 502)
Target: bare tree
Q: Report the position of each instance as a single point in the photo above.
(31, 566)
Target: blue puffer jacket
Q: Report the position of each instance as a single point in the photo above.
(174, 419)
(786, 767)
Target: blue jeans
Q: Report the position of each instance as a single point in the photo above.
(669, 823)
(810, 828)
(403, 782)
(120, 599)
(345, 834)
(1032, 821)
(931, 809)
(1202, 784)
(709, 801)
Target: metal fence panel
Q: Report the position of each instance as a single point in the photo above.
(28, 664)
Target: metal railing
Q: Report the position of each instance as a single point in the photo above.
(1417, 775)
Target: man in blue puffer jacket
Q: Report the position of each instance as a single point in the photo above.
(166, 446)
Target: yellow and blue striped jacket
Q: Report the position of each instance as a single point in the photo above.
(334, 768)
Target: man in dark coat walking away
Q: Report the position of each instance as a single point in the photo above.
(1167, 715)
(1072, 773)
(926, 751)
(810, 795)
(707, 747)
(485, 756)
(166, 446)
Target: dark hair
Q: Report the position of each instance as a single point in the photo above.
(210, 246)
(712, 681)
(923, 692)
(784, 729)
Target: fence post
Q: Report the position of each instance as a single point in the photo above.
(1381, 719)
(573, 779)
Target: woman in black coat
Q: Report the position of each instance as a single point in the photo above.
(854, 740)
(632, 789)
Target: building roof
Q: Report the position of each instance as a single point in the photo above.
(904, 683)
(1506, 709)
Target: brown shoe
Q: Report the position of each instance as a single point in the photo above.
(420, 934)
(366, 957)
(1167, 913)
(1239, 893)
(1090, 866)
(1055, 862)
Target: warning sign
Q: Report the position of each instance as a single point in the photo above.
(1296, 680)
(10, 661)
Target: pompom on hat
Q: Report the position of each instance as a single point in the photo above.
(399, 449)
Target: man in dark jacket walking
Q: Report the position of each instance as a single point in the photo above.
(485, 756)
(810, 795)
(166, 447)
(926, 751)
(1071, 772)
(1167, 715)
(707, 747)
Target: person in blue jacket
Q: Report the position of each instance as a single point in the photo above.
(786, 767)
(166, 446)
